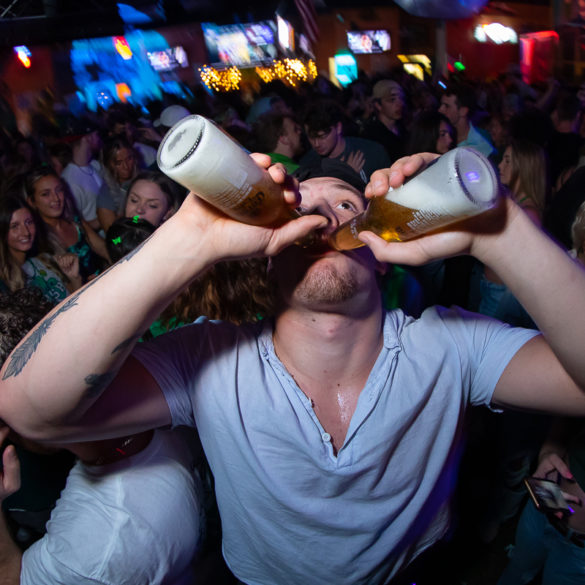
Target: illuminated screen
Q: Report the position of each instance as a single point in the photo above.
(240, 44)
(368, 41)
(168, 59)
(286, 34)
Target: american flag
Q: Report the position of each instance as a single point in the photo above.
(308, 14)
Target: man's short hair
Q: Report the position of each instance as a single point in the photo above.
(267, 129)
(322, 115)
(464, 95)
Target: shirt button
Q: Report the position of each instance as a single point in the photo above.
(326, 437)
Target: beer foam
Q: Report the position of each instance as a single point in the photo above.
(200, 156)
(460, 182)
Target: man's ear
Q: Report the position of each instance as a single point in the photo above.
(464, 111)
(377, 104)
(339, 128)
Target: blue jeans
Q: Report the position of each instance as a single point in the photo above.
(540, 546)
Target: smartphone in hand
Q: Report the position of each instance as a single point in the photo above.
(547, 496)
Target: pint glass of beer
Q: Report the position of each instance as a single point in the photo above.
(459, 184)
(203, 158)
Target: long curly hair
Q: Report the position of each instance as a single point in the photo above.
(239, 291)
(20, 311)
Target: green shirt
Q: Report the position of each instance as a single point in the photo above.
(289, 164)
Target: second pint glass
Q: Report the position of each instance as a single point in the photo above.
(204, 159)
(459, 184)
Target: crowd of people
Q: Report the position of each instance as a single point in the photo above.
(329, 391)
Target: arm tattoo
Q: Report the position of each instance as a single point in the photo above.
(21, 356)
(24, 352)
(131, 254)
(98, 382)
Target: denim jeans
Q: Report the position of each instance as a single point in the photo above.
(540, 546)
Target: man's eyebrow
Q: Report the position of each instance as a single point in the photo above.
(343, 185)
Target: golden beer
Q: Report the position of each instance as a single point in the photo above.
(459, 184)
(203, 158)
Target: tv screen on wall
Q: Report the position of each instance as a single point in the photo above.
(240, 44)
(368, 41)
(169, 59)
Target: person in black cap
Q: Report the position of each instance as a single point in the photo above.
(84, 174)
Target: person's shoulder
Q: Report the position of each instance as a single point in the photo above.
(360, 142)
(370, 148)
(453, 317)
(70, 170)
(372, 126)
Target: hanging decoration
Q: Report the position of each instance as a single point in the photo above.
(221, 80)
(291, 71)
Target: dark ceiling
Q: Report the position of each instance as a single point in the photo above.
(46, 21)
(36, 22)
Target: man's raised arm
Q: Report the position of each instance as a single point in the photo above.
(54, 381)
(548, 373)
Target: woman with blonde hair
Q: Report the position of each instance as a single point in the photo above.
(65, 231)
(120, 162)
(523, 171)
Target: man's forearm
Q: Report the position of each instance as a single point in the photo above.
(61, 368)
(10, 556)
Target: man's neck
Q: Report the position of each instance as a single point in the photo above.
(388, 122)
(329, 349)
(283, 150)
(82, 155)
(339, 148)
(463, 127)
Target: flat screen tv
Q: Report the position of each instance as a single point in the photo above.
(368, 41)
(243, 45)
(167, 60)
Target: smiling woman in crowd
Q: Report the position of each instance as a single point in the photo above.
(66, 232)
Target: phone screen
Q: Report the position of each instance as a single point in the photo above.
(547, 495)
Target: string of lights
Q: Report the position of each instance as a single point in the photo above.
(291, 71)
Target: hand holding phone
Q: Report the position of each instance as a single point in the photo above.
(548, 497)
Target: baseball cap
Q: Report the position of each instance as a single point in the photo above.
(74, 129)
(384, 88)
(171, 115)
(333, 168)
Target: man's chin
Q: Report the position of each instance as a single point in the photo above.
(325, 285)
